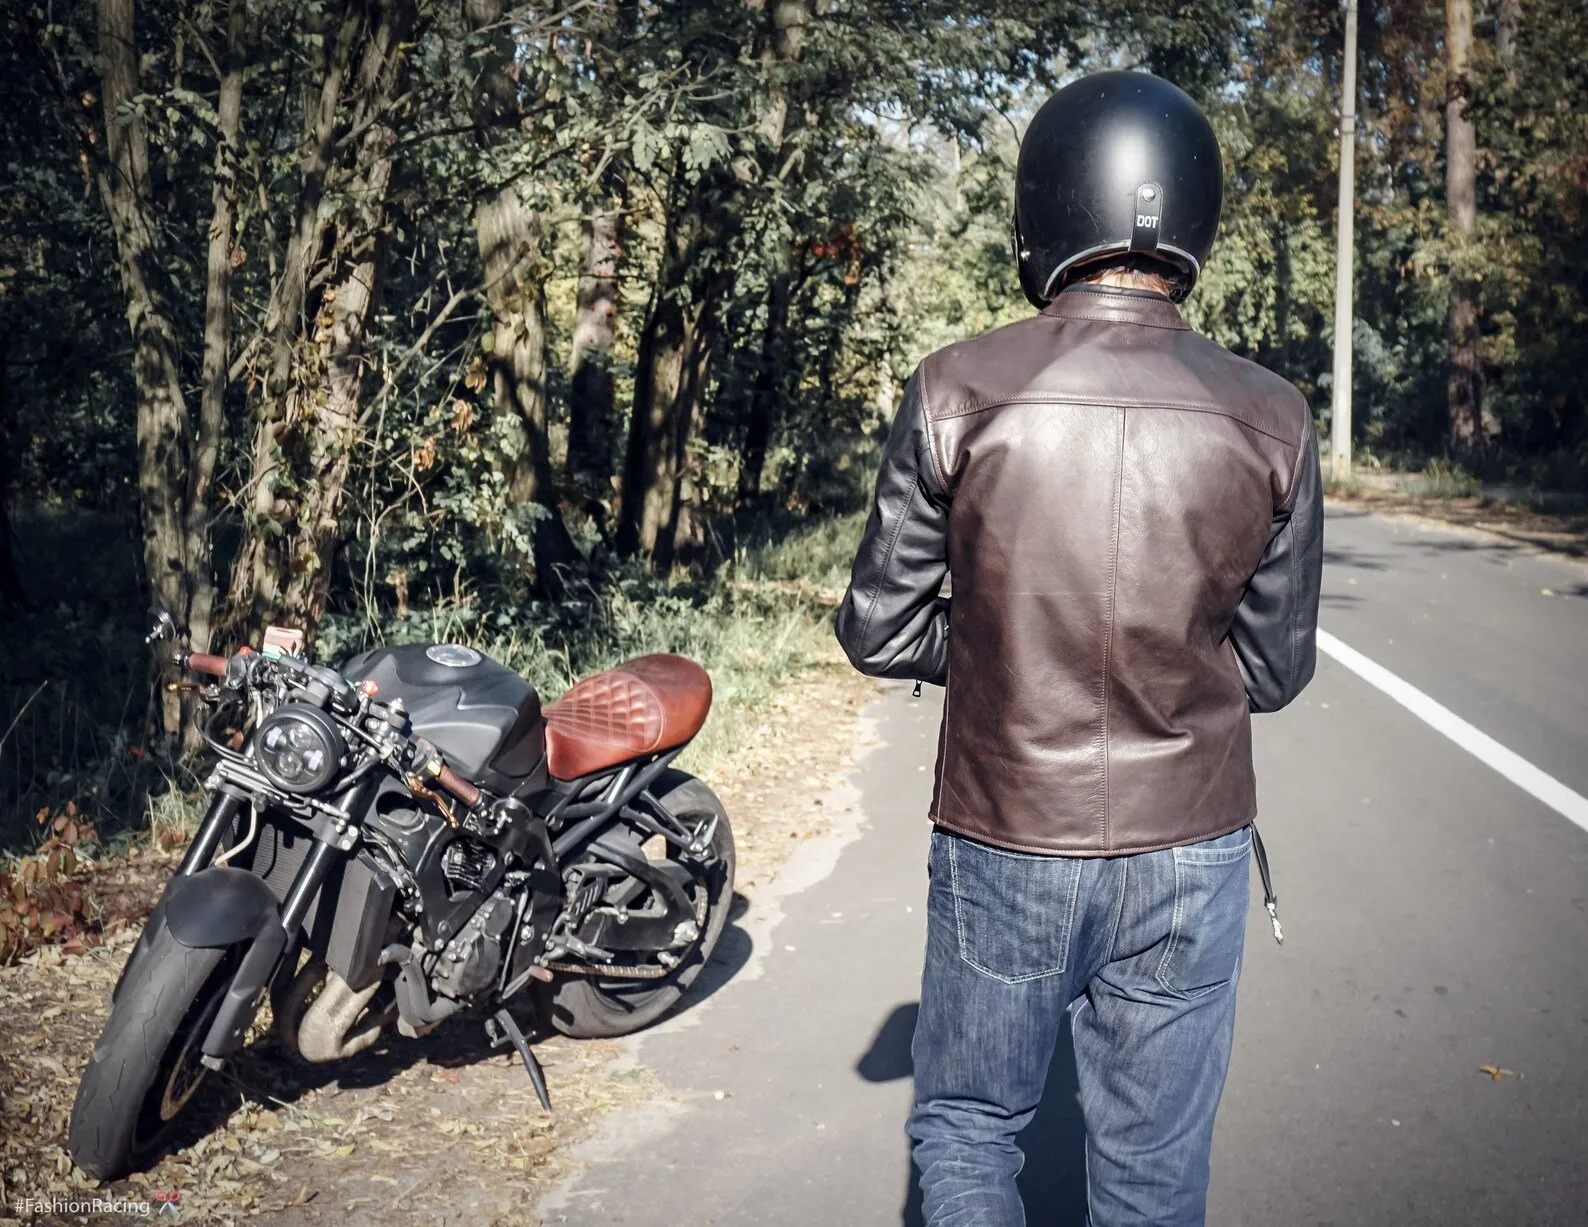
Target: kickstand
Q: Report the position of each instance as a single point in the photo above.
(509, 1028)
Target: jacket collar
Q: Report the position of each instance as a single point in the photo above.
(1115, 304)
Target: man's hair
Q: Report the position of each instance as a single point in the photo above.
(1144, 273)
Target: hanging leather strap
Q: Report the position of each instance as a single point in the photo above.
(1270, 900)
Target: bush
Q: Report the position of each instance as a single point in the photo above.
(753, 609)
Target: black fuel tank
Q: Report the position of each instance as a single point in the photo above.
(480, 714)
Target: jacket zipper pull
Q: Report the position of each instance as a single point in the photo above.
(916, 693)
(1270, 900)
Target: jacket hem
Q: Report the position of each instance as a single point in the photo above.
(998, 841)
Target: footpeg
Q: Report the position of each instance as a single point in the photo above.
(506, 1030)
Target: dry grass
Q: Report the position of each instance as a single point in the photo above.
(1435, 500)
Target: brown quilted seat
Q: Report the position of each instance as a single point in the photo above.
(648, 704)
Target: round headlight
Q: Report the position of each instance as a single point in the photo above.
(299, 748)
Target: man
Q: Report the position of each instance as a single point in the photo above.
(1133, 520)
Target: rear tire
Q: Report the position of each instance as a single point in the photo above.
(145, 1068)
(587, 1007)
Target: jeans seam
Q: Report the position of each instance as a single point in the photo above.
(1119, 912)
(1174, 931)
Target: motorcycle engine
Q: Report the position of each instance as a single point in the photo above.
(472, 958)
(467, 865)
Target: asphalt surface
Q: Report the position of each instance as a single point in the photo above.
(1436, 922)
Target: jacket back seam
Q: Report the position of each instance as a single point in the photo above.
(1108, 634)
(1092, 402)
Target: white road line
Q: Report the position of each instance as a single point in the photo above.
(1571, 805)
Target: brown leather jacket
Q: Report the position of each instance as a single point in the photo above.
(1134, 523)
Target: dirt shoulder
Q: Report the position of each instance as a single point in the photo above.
(1561, 533)
(441, 1130)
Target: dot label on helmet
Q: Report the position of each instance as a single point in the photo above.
(1143, 219)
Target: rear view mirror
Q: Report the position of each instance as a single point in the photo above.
(163, 625)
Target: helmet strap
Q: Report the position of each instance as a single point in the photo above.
(1030, 285)
(1149, 212)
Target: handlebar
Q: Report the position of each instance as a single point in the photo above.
(458, 786)
(203, 662)
(216, 666)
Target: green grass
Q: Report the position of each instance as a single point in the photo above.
(1442, 479)
(755, 619)
(755, 610)
(1438, 479)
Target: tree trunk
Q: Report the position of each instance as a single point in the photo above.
(1461, 156)
(1505, 23)
(686, 528)
(666, 372)
(255, 591)
(163, 431)
(11, 590)
(785, 36)
(592, 401)
(592, 392)
(518, 366)
(320, 318)
(217, 326)
(509, 261)
(766, 391)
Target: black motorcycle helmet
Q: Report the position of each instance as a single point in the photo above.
(1115, 162)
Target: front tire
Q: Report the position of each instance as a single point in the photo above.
(590, 1007)
(145, 1068)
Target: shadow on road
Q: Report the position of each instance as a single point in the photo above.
(1353, 559)
(888, 1058)
(733, 951)
(1053, 1182)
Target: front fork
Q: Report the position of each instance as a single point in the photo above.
(225, 803)
(258, 968)
(276, 934)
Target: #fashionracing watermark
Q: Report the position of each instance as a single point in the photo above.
(163, 1205)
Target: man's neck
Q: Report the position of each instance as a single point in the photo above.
(1129, 279)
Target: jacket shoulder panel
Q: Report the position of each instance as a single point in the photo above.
(958, 374)
(1271, 396)
(1106, 362)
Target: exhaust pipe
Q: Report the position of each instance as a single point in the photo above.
(326, 1030)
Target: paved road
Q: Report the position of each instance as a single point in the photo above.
(1436, 919)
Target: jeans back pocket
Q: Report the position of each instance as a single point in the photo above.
(1013, 911)
(1208, 929)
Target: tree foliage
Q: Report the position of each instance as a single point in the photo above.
(348, 309)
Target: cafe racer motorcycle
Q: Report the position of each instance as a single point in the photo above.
(410, 838)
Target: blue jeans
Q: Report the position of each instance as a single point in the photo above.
(1148, 950)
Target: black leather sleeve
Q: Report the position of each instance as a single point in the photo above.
(1276, 627)
(892, 622)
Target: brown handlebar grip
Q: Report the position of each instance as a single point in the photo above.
(203, 662)
(458, 786)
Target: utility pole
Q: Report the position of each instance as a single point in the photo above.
(1340, 447)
